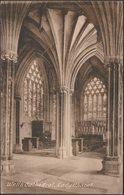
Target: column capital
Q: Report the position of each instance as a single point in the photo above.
(9, 55)
(66, 90)
(63, 89)
(12, 15)
(112, 62)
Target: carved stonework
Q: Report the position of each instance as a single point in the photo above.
(66, 90)
(111, 163)
(7, 113)
(112, 63)
(9, 55)
(10, 28)
(63, 89)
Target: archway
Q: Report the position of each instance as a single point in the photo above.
(90, 106)
(35, 101)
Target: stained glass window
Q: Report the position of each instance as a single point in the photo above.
(95, 99)
(33, 93)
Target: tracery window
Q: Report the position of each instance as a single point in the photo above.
(33, 93)
(95, 100)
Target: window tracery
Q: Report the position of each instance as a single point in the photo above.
(33, 93)
(95, 100)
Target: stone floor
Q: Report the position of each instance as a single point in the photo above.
(37, 172)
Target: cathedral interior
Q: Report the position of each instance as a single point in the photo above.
(61, 97)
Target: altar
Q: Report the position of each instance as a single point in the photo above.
(30, 143)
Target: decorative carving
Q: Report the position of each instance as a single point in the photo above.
(10, 28)
(66, 90)
(112, 63)
(9, 55)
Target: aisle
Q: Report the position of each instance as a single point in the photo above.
(40, 174)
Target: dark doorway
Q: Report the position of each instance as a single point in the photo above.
(37, 129)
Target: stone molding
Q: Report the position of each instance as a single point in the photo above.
(113, 62)
(9, 55)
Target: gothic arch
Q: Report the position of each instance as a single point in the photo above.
(84, 65)
(93, 67)
(91, 77)
(25, 65)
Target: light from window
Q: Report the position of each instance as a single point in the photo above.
(95, 99)
(33, 93)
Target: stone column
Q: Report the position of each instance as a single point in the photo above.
(120, 108)
(17, 148)
(64, 142)
(111, 163)
(12, 15)
(72, 105)
(57, 122)
(53, 114)
(7, 100)
(46, 108)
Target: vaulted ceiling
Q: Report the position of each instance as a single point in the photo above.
(66, 33)
(65, 36)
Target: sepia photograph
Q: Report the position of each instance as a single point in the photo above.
(61, 97)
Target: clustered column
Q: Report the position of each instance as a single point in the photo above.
(64, 142)
(10, 30)
(17, 148)
(7, 100)
(111, 163)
